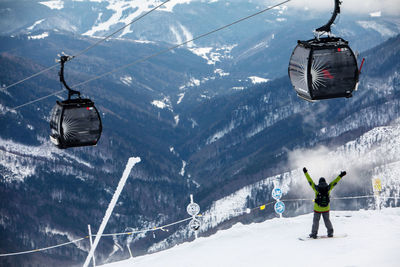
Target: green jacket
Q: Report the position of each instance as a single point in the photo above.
(318, 208)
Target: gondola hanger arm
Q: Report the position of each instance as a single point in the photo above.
(64, 58)
(327, 27)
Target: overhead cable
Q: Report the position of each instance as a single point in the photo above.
(236, 213)
(86, 49)
(30, 77)
(120, 29)
(179, 45)
(37, 100)
(42, 249)
(80, 239)
(160, 53)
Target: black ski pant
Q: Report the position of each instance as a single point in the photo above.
(327, 221)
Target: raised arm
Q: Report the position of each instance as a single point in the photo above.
(310, 181)
(334, 182)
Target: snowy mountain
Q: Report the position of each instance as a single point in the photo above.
(263, 41)
(372, 241)
(208, 119)
(373, 155)
(229, 142)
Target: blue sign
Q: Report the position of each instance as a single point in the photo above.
(277, 193)
(279, 207)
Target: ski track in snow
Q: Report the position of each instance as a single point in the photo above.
(119, 9)
(35, 24)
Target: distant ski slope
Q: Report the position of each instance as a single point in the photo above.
(376, 153)
(373, 240)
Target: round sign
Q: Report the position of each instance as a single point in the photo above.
(194, 224)
(193, 209)
(277, 193)
(279, 207)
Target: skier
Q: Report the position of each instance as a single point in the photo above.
(321, 206)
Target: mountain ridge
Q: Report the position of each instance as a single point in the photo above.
(215, 141)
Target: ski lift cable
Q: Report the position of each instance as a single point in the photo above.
(174, 223)
(30, 77)
(36, 100)
(88, 48)
(120, 29)
(179, 45)
(149, 229)
(42, 249)
(86, 237)
(158, 53)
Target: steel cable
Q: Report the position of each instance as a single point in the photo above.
(83, 51)
(158, 53)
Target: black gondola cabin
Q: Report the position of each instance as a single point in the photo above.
(74, 122)
(323, 69)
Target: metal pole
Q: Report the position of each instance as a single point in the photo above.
(194, 217)
(378, 200)
(129, 239)
(131, 162)
(91, 244)
(129, 249)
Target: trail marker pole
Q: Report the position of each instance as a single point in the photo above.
(377, 188)
(193, 209)
(279, 206)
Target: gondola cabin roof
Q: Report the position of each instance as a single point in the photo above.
(324, 43)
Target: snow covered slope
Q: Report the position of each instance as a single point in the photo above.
(373, 155)
(372, 241)
(119, 10)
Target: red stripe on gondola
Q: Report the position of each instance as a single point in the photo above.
(327, 74)
(362, 63)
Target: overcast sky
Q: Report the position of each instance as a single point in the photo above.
(387, 7)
